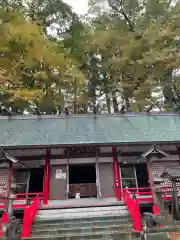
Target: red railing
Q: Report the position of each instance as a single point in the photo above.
(31, 197)
(167, 195)
(141, 195)
(133, 208)
(30, 213)
(145, 195)
(4, 220)
(22, 195)
(21, 199)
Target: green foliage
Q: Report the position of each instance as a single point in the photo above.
(128, 52)
(139, 46)
(32, 67)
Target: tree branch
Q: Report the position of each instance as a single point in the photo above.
(121, 11)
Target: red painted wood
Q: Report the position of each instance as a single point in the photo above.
(134, 209)
(156, 209)
(15, 206)
(46, 187)
(30, 213)
(4, 220)
(117, 180)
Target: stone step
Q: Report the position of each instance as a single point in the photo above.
(82, 202)
(76, 230)
(81, 214)
(83, 217)
(110, 235)
(107, 222)
(83, 209)
(71, 223)
(83, 228)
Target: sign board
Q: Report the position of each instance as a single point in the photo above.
(82, 150)
(60, 174)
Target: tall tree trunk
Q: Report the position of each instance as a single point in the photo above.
(75, 97)
(108, 101)
(106, 91)
(94, 103)
(168, 90)
(74, 106)
(127, 104)
(115, 104)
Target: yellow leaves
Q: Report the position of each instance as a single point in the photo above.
(32, 68)
(41, 75)
(24, 94)
(136, 60)
(26, 41)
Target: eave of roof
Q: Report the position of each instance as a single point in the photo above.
(89, 130)
(129, 114)
(109, 144)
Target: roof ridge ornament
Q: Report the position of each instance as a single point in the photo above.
(153, 152)
(4, 156)
(171, 174)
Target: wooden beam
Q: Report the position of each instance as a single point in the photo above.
(98, 184)
(67, 178)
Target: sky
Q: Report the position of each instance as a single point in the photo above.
(79, 6)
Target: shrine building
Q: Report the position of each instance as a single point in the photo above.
(84, 156)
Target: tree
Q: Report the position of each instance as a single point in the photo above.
(32, 68)
(123, 53)
(141, 57)
(55, 16)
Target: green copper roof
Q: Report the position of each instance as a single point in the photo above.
(74, 130)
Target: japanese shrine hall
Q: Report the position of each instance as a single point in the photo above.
(62, 159)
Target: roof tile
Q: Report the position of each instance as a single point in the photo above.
(73, 130)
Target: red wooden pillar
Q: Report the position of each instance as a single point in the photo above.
(46, 186)
(117, 184)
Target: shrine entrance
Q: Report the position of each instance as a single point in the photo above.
(29, 181)
(142, 175)
(36, 180)
(134, 175)
(82, 181)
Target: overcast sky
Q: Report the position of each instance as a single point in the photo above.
(80, 6)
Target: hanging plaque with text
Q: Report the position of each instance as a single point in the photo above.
(60, 174)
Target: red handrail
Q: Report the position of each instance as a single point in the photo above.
(28, 210)
(141, 188)
(134, 210)
(147, 191)
(166, 196)
(23, 196)
(30, 213)
(4, 220)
